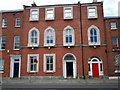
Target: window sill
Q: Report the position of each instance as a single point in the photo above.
(49, 71)
(1, 71)
(33, 20)
(17, 26)
(91, 18)
(113, 28)
(69, 45)
(4, 27)
(49, 45)
(2, 49)
(16, 49)
(68, 18)
(32, 71)
(51, 19)
(117, 71)
(33, 45)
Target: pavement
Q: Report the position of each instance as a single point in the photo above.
(41, 81)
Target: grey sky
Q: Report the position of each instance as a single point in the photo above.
(110, 6)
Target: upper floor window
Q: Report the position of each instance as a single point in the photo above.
(4, 22)
(34, 14)
(33, 60)
(93, 36)
(68, 36)
(2, 42)
(17, 23)
(113, 25)
(49, 14)
(1, 65)
(92, 12)
(16, 42)
(33, 37)
(68, 12)
(49, 39)
(115, 42)
(49, 62)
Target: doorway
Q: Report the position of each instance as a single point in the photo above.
(95, 70)
(69, 67)
(16, 68)
(15, 64)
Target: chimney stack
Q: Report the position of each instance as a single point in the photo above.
(34, 4)
(94, 0)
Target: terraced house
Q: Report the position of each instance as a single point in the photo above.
(59, 41)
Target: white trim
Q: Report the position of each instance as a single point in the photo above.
(98, 62)
(74, 65)
(1, 39)
(34, 19)
(17, 23)
(113, 27)
(46, 18)
(28, 63)
(29, 37)
(54, 63)
(96, 15)
(12, 58)
(3, 23)
(114, 77)
(71, 12)
(46, 44)
(98, 35)
(64, 36)
(14, 43)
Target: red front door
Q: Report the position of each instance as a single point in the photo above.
(95, 70)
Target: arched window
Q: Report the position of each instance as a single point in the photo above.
(49, 37)
(93, 35)
(33, 37)
(68, 36)
(69, 57)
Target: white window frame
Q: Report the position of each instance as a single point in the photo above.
(98, 35)
(46, 13)
(65, 13)
(2, 65)
(34, 19)
(17, 22)
(64, 36)
(16, 43)
(45, 38)
(29, 38)
(93, 7)
(54, 63)
(28, 63)
(1, 39)
(113, 26)
(4, 22)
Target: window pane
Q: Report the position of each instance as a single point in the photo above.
(1, 64)
(114, 41)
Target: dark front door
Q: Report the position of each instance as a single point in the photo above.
(69, 67)
(16, 69)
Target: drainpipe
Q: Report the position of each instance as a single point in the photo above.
(81, 41)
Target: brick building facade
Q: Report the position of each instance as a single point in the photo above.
(67, 40)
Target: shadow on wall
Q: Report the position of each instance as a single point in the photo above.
(119, 8)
